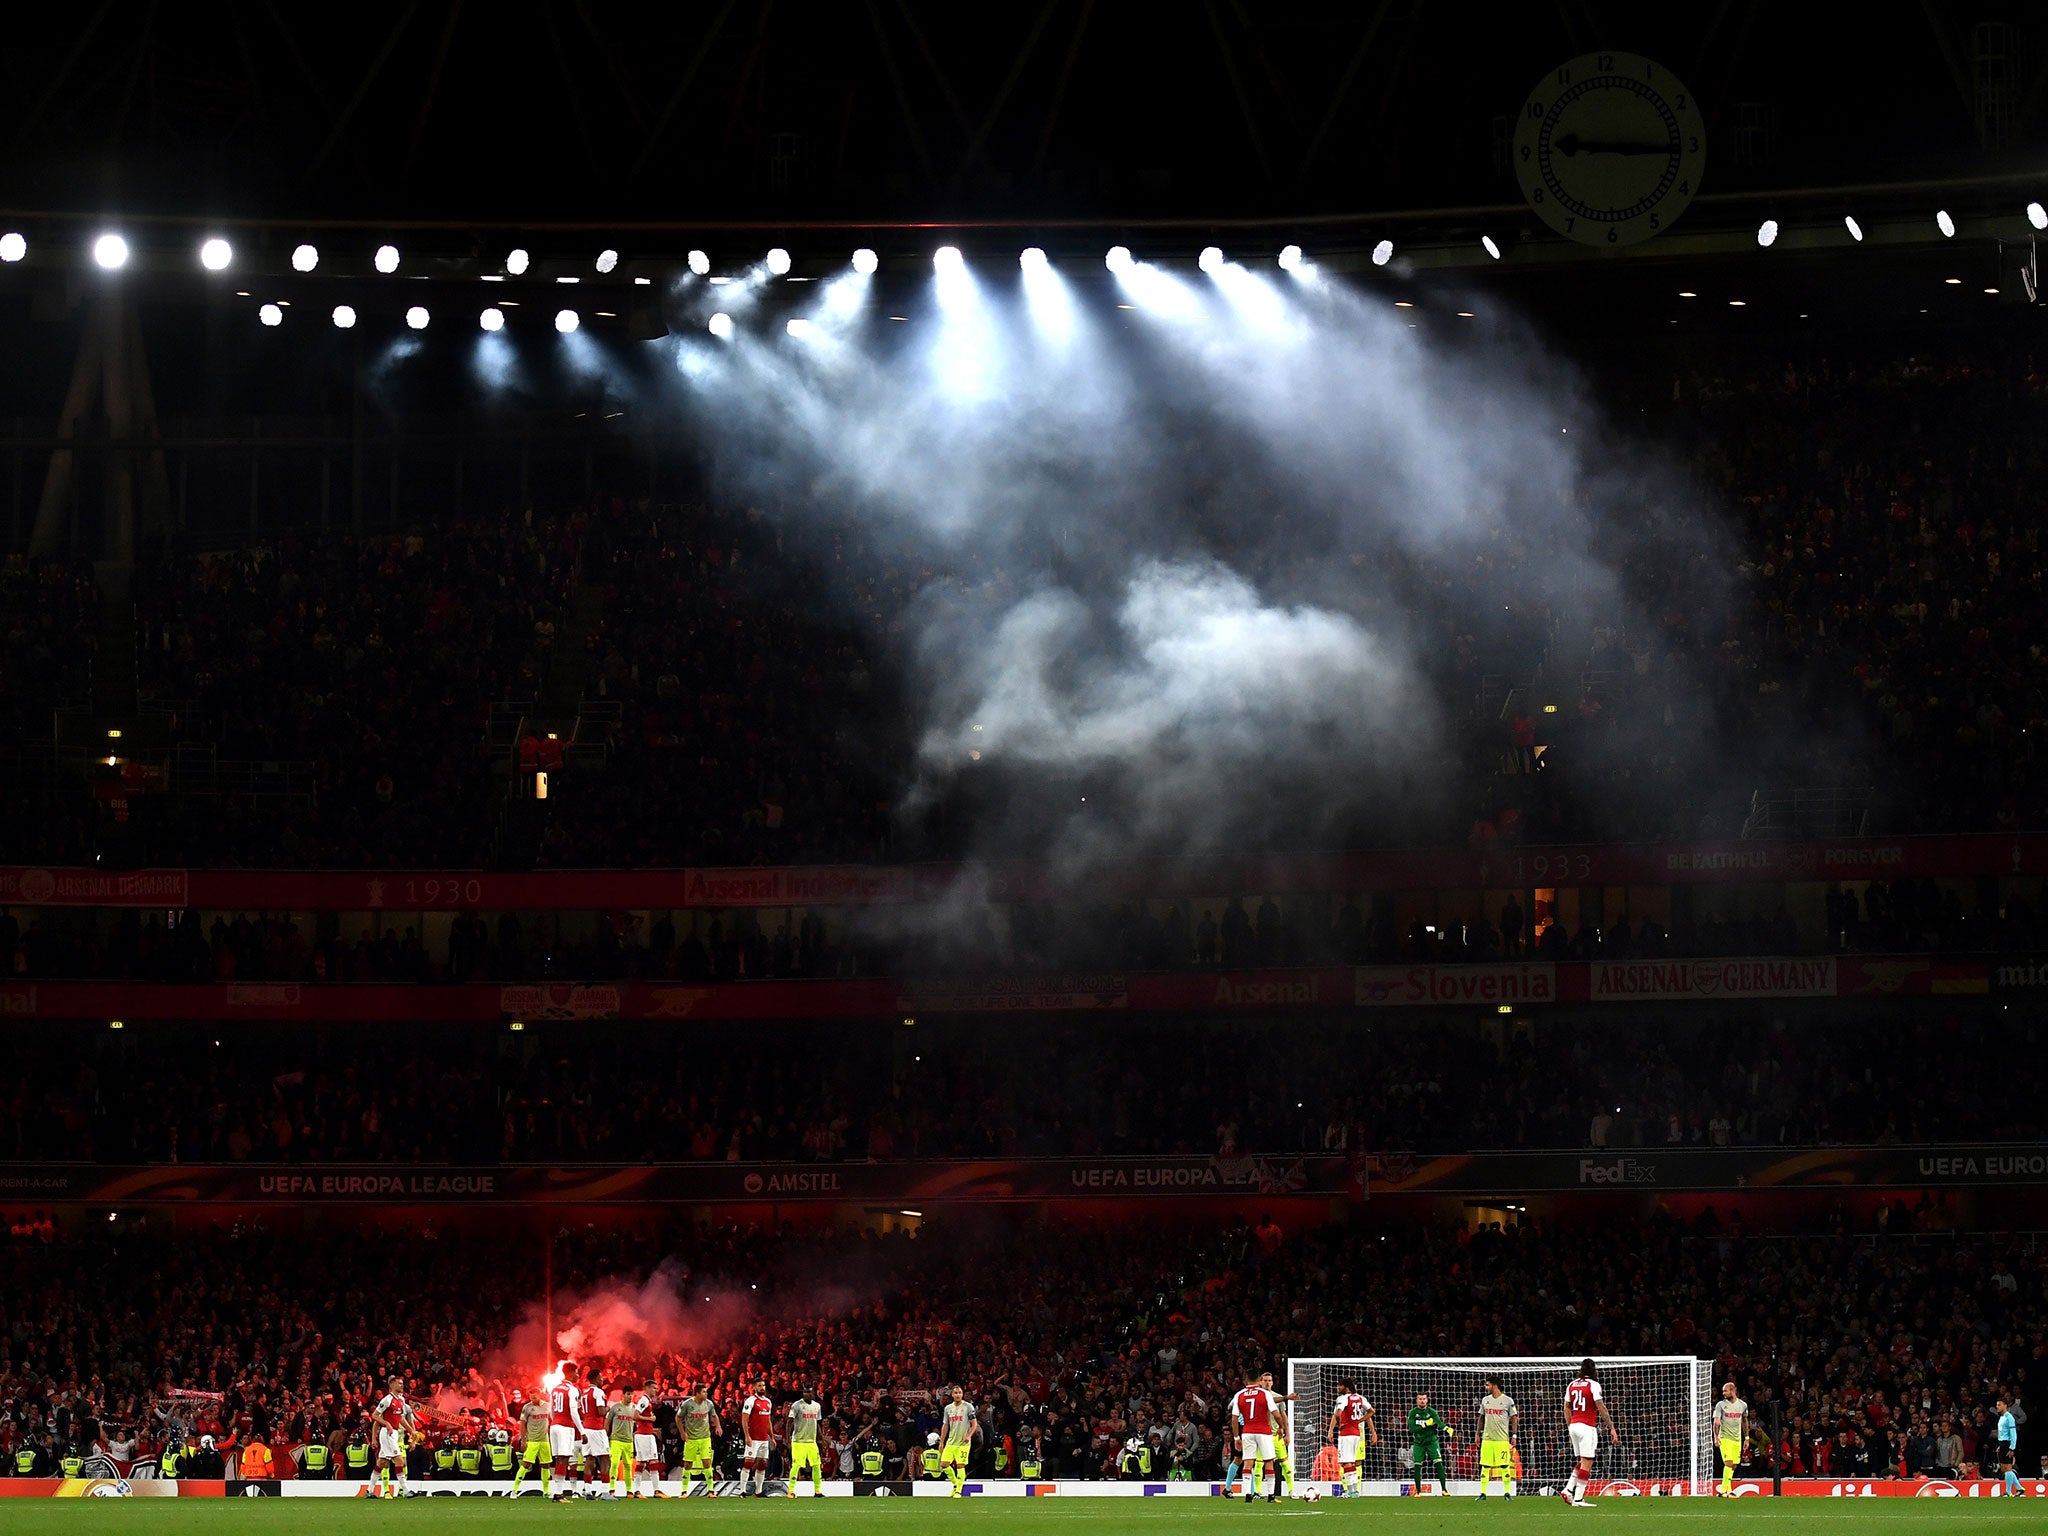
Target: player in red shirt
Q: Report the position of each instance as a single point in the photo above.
(757, 1420)
(594, 1444)
(1585, 1410)
(1259, 1417)
(565, 1427)
(1350, 1420)
(394, 1419)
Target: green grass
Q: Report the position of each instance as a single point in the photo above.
(1075, 1516)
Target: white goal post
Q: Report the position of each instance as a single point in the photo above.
(1661, 1404)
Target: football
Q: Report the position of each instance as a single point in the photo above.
(1313, 1494)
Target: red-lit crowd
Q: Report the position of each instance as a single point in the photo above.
(1882, 1351)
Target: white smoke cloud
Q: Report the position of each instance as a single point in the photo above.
(1213, 556)
(1196, 680)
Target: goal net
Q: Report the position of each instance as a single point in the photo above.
(1661, 1405)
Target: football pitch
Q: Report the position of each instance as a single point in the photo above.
(1004, 1517)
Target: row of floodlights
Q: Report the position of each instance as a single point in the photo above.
(1767, 232)
(946, 261)
(110, 251)
(417, 318)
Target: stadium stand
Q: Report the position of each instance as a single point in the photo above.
(1077, 1335)
(838, 1092)
(1883, 588)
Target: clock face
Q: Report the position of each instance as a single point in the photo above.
(1609, 148)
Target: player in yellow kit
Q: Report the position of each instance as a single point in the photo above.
(961, 1430)
(533, 1435)
(1498, 1420)
(1731, 1425)
(804, 1415)
(699, 1424)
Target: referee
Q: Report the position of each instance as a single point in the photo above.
(2009, 1448)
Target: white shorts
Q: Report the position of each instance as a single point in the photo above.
(1347, 1450)
(646, 1449)
(597, 1443)
(1255, 1448)
(1585, 1440)
(562, 1440)
(757, 1450)
(390, 1445)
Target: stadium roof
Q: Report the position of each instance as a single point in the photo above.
(793, 110)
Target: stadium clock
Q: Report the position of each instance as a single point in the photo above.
(1609, 148)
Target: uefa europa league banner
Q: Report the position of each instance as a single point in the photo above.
(1647, 1170)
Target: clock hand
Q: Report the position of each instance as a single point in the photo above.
(1572, 144)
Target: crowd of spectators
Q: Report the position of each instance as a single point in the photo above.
(759, 724)
(610, 1093)
(1891, 546)
(944, 941)
(1871, 1351)
(373, 660)
(1875, 614)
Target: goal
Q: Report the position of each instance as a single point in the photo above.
(1661, 1404)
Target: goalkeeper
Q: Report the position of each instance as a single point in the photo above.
(1426, 1432)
